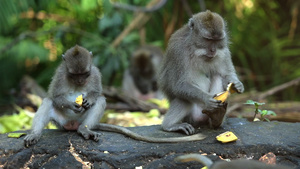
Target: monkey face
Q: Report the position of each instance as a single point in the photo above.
(79, 79)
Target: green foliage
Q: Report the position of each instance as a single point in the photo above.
(16, 135)
(15, 122)
(256, 104)
(262, 113)
(163, 104)
(20, 121)
(263, 47)
(34, 34)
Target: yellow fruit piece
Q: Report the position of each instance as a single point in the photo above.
(79, 100)
(204, 167)
(230, 88)
(226, 137)
(224, 95)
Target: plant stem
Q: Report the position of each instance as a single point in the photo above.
(256, 111)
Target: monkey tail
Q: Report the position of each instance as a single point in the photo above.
(127, 132)
(195, 157)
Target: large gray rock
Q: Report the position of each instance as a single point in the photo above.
(61, 149)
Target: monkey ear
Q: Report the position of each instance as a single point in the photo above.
(91, 52)
(191, 23)
(63, 57)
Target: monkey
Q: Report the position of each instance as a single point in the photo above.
(140, 79)
(76, 76)
(197, 65)
(234, 164)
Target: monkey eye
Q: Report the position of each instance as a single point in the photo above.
(86, 74)
(74, 75)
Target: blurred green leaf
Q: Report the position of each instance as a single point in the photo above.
(16, 135)
(268, 112)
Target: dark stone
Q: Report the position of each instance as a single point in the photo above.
(55, 148)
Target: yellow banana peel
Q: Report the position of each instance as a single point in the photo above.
(224, 95)
(226, 137)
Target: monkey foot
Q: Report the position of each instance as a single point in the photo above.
(216, 115)
(188, 129)
(88, 134)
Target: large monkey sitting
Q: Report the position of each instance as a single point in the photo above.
(197, 65)
(140, 79)
(78, 76)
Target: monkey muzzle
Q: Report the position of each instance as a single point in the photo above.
(209, 57)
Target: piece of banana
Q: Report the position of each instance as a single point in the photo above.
(224, 95)
(79, 100)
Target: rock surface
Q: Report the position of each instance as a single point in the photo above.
(61, 149)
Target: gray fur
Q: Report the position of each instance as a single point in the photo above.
(194, 59)
(140, 79)
(60, 105)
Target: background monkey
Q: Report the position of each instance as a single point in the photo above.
(234, 164)
(75, 76)
(197, 65)
(140, 79)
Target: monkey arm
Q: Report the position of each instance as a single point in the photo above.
(40, 120)
(231, 76)
(61, 103)
(94, 89)
(187, 91)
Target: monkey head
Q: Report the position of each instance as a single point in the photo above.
(78, 62)
(208, 33)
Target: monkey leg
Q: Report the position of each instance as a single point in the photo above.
(216, 116)
(178, 110)
(40, 120)
(93, 117)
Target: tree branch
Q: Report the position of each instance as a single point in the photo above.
(140, 9)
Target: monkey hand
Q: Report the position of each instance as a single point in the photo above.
(77, 108)
(238, 86)
(211, 103)
(86, 104)
(31, 139)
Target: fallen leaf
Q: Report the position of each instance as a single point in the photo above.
(16, 135)
(269, 158)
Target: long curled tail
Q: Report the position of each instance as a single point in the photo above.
(195, 157)
(125, 131)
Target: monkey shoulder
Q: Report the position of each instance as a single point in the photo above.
(95, 73)
(96, 82)
(59, 82)
(181, 33)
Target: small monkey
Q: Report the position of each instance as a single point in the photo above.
(140, 79)
(75, 76)
(196, 66)
(78, 76)
(234, 164)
